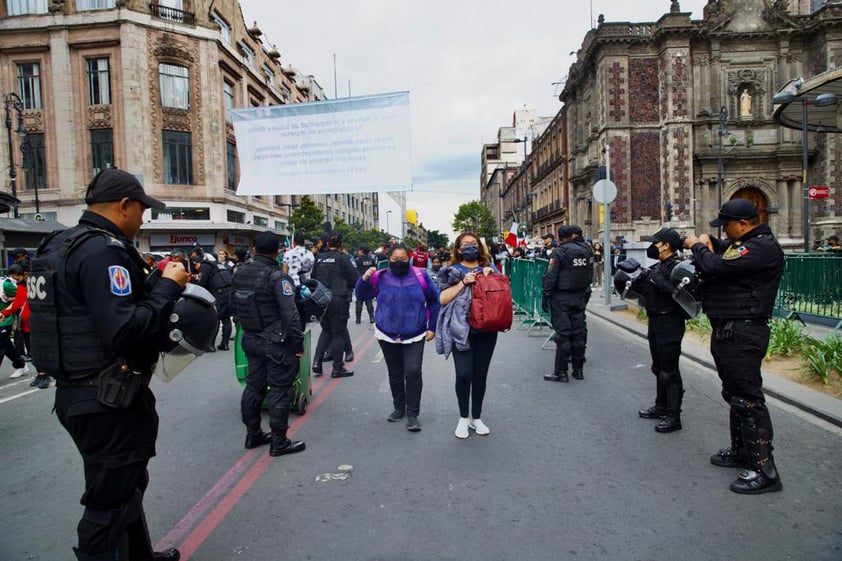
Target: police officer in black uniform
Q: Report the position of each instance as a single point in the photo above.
(334, 270)
(97, 328)
(263, 301)
(741, 277)
(216, 280)
(666, 328)
(364, 261)
(566, 291)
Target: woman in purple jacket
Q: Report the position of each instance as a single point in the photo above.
(405, 318)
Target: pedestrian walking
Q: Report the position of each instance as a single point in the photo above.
(406, 316)
(98, 328)
(364, 261)
(298, 261)
(334, 270)
(742, 275)
(566, 291)
(665, 330)
(8, 294)
(598, 264)
(263, 302)
(472, 350)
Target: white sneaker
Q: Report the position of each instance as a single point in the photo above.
(20, 371)
(478, 426)
(462, 428)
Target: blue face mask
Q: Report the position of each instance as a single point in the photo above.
(470, 254)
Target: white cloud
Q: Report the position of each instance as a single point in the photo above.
(468, 64)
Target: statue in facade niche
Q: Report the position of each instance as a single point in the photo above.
(745, 103)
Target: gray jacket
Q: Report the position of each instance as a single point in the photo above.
(453, 327)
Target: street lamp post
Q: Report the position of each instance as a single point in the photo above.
(821, 100)
(13, 101)
(722, 131)
(388, 212)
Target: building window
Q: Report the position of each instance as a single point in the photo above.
(178, 157)
(270, 76)
(102, 150)
(224, 28)
(236, 217)
(286, 93)
(175, 86)
(261, 221)
(181, 213)
(35, 164)
(29, 85)
(22, 7)
(248, 53)
(231, 159)
(95, 4)
(99, 81)
(228, 97)
(280, 225)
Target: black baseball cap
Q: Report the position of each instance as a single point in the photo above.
(18, 252)
(267, 243)
(666, 235)
(547, 236)
(737, 209)
(568, 232)
(114, 185)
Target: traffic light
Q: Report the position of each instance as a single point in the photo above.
(669, 212)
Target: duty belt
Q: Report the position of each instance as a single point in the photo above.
(90, 381)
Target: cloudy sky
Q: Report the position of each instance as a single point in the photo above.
(468, 64)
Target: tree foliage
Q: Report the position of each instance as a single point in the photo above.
(354, 236)
(437, 239)
(474, 217)
(308, 219)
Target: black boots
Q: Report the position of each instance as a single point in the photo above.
(560, 376)
(281, 445)
(560, 372)
(671, 421)
(172, 554)
(257, 438)
(761, 475)
(735, 456)
(317, 367)
(342, 372)
(578, 373)
(659, 410)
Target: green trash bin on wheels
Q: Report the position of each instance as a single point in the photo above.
(301, 390)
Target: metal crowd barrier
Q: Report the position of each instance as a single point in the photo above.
(811, 285)
(525, 276)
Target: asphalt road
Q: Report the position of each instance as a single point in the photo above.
(568, 472)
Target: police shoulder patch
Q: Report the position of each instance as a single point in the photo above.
(120, 281)
(287, 288)
(732, 253)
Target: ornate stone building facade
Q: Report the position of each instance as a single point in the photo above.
(653, 93)
(147, 87)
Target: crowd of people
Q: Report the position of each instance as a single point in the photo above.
(103, 356)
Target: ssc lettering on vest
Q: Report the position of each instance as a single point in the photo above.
(328, 260)
(39, 288)
(580, 262)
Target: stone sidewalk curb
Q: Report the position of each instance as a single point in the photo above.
(808, 400)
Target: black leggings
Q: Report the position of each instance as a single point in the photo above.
(472, 371)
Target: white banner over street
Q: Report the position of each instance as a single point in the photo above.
(350, 145)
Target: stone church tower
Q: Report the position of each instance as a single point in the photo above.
(654, 93)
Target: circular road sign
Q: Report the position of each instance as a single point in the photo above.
(605, 191)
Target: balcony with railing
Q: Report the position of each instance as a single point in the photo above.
(172, 14)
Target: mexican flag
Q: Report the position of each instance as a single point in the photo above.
(511, 236)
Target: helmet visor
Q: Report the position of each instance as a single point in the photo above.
(172, 363)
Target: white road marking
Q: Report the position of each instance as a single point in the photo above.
(5, 399)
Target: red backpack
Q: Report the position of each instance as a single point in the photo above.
(491, 303)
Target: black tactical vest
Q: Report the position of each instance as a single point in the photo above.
(65, 342)
(255, 303)
(743, 297)
(657, 301)
(331, 273)
(576, 262)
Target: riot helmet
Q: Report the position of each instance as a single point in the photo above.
(191, 328)
(687, 282)
(312, 298)
(627, 272)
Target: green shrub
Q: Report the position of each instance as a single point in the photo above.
(821, 358)
(700, 323)
(786, 337)
(641, 314)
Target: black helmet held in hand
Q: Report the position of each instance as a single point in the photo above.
(192, 328)
(312, 298)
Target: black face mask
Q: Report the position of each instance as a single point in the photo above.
(652, 252)
(470, 254)
(399, 268)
